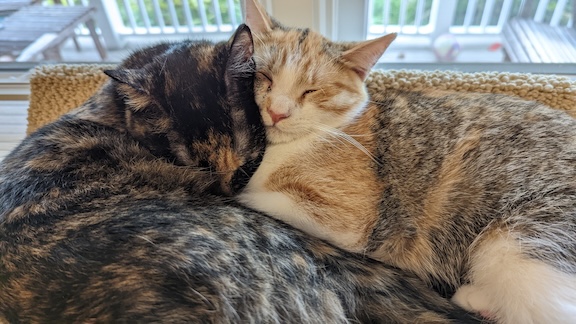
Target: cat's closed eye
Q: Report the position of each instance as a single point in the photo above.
(308, 92)
(263, 77)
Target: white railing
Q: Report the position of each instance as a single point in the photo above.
(209, 18)
(412, 17)
(405, 17)
(156, 17)
(119, 20)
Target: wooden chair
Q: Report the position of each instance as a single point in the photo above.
(36, 29)
(9, 6)
(525, 40)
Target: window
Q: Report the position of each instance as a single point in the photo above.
(430, 31)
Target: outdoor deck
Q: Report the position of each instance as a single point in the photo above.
(477, 26)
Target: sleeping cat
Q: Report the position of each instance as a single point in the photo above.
(475, 193)
(115, 213)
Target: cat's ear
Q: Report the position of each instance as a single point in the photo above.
(135, 78)
(241, 50)
(362, 57)
(256, 17)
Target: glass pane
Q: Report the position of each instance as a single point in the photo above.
(477, 31)
(71, 30)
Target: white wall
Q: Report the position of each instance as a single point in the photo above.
(321, 16)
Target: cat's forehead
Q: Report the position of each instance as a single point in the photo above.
(199, 56)
(187, 67)
(298, 52)
(296, 41)
(204, 56)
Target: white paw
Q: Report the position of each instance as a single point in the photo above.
(473, 299)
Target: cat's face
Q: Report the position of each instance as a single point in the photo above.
(306, 84)
(301, 87)
(192, 103)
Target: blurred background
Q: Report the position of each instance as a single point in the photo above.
(465, 31)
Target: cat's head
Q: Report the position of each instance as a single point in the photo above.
(305, 83)
(192, 103)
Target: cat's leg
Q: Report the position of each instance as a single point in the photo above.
(510, 287)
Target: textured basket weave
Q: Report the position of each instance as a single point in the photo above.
(56, 89)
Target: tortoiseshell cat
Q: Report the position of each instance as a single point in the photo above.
(475, 193)
(110, 214)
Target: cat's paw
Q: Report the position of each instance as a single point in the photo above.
(473, 299)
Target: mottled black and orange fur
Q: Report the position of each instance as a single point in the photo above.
(118, 212)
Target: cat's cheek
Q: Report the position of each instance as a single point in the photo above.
(261, 91)
(263, 102)
(354, 102)
(267, 118)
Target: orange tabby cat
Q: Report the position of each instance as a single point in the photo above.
(475, 193)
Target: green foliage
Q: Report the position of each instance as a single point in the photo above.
(377, 12)
(479, 10)
(461, 7)
(394, 17)
(179, 8)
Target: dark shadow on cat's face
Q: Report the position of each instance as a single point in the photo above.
(193, 105)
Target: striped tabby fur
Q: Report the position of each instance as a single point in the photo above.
(475, 193)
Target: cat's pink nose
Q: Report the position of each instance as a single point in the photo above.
(276, 117)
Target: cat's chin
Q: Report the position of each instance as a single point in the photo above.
(274, 135)
(277, 136)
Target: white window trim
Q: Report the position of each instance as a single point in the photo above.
(323, 16)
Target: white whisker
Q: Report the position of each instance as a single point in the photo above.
(343, 137)
(243, 171)
(146, 239)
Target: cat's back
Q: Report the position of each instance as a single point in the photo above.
(152, 260)
(435, 124)
(479, 154)
(462, 109)
(455, 165)
(206, 260)
(72, 164)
